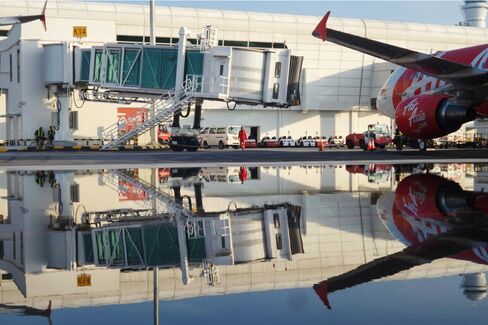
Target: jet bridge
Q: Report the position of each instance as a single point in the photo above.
(168, 79)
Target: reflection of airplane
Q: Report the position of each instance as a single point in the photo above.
(429, 96)
(435, 217)
(4, 21)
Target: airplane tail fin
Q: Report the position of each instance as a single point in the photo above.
(43, 16)
(321, 30)
(322, 291)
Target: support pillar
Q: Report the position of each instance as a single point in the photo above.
(64, 135)
(198, 197)
(180, 223)
(156, 295)
(197, 117)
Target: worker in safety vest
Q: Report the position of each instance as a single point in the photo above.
(50, 134)
(40, 136)
(242, 138)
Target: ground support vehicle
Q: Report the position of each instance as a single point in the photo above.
(379, 132)
(163, 134)
(221, 137)
(250, 143)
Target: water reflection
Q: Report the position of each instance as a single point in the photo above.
(92, 237)
(434, 217)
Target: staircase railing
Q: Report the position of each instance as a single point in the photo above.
(160, 110)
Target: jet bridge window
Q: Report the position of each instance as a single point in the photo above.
(131, 67)
(277, 69)
(97, 66)
(276, 90)
(113, 66)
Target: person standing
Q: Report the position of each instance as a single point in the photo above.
(50, 135)
(242, 138)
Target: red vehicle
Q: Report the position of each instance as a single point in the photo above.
(163, 134)
(251, 143)
(429, 96)
(380, 133)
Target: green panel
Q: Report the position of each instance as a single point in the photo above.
(134, 246)
(88, 247)
(196, 249)
(97, 66)
(131, 68)
(194, 63)
(113, 66)
(116, 246)
(168, 73)
(151, 67)
(100, 247)
(85, 65)
(161, 244)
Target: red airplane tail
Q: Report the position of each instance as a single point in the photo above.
(43, 16)
(322, 291)
(321, 30)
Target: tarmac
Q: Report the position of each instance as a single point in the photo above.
(72, 160)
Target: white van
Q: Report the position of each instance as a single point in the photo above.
(222, 137)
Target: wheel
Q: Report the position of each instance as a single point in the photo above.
(422, 145)
(205, 144)
(301, 144)
(349, 144)
(381, 146)
(221, 145)
(362, 144)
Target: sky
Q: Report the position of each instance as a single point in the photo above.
(435, 12)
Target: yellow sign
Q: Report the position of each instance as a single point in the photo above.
(84, 280)
(79, 31)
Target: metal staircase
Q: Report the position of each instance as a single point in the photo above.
(158, 111)
(165, 200)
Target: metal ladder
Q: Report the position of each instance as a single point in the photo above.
(160, 110)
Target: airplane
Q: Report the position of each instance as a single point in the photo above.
(435, 218)
(429, 96)
(5, 21)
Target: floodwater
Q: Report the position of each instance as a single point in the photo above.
(356, 244)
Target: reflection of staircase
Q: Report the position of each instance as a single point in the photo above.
(158, 111)
(167, 200)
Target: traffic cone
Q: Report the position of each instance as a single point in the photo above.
(371, 145)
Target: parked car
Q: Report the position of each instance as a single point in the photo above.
(251, 143)
(379, 132)
(286, 142)
(268, 142)
(306, 142)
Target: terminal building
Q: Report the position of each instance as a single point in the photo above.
(335, 91)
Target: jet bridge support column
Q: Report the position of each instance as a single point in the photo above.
(64, 135)
(198, 197)
(197, 117)
(180, 69)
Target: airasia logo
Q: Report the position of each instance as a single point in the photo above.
(417, 195)
(416, 121)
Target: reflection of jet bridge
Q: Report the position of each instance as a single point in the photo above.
(168, 79)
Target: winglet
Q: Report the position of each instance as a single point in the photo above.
(322, 291)
(43, 16)
(321, 30)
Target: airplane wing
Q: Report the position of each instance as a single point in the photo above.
(445, 245)
(452, 72)
(4, 21)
